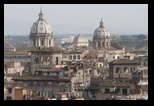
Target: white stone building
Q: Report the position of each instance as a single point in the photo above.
(62, 40)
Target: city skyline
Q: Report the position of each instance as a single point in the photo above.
(76, 18)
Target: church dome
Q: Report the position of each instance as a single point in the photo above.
(101, 31)
(80, 38)
(41, 25)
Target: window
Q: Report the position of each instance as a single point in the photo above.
(34, 42)
(48, 73)
(38, 93)
(38, 84)
(124, 91)
(45, 83)
(107, 90)
(144, 64)
(57, 73)
(78, 57)
(56, 60)
(99, 44)
(126, 70)
(42, 42)
(70, 57)
(145, 80)
(10, 90)
(89, 71)
(118, 70)
(8, 98)
(106, 44)
(74, 57)
(31, 83)
(131, 70)
(102, 44)
(49, 42)
(117, 90)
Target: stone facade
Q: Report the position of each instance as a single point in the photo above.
(122, 70)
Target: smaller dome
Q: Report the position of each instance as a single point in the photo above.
(80, 38)
(101, 31)
(41, 25)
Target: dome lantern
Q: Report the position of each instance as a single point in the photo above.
(41, 14)
(101, 23)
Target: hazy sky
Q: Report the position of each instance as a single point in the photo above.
(78, 18)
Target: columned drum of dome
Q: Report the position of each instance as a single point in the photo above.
(101, 37)
(41, 34)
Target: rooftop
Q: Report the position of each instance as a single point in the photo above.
(122, 61)
(73, 52)
(47, 69)
(49, 49)
(39, 78)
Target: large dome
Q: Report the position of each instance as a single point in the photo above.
(101, 31)
(80, 38)
(41, 25)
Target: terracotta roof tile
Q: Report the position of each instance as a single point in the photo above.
(122, 61)
(39, 77)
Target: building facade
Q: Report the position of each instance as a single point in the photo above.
(122, 69)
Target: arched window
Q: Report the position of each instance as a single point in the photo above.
(49, 42)
(106, 44)
(118, 70)
(131, 69)
(34, 42)
(78, 57)
(89, 71)
(99, 44)
(70, 57)
(42, 42)
(74, 57)
(102, 44)
(56, 60)
(126, 70)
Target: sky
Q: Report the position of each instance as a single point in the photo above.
(77, 18)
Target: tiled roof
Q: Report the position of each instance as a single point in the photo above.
(110, 83)
(122, 61)
(17, 53)
(8, 43)
(116, 45)
(47, 69)
(26, 48)
(144, 87)
(49, 49)
(73, 52)
(33, 49)
(39, 78)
